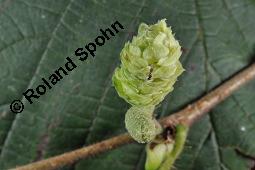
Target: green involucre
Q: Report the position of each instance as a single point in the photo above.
(149, 65)
(149, 68)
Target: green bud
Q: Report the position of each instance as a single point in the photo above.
(140, 123)
(149, 65)
(180, 138)
(162, 153)
(156, 153)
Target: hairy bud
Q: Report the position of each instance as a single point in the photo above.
(141, 125)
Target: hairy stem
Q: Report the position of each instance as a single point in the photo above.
(187, 117)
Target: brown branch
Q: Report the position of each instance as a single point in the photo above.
(194, 111)
(186, 116)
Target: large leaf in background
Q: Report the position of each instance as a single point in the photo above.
(37, 35)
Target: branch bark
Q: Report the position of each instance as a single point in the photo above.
(187, 116)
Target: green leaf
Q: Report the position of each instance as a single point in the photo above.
(83, 108)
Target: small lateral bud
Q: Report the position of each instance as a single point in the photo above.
(156, 154)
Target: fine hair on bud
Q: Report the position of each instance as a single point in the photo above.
(140, 123)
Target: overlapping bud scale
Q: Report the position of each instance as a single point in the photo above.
(149, 65)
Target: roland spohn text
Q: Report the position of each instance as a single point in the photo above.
(81, 53)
